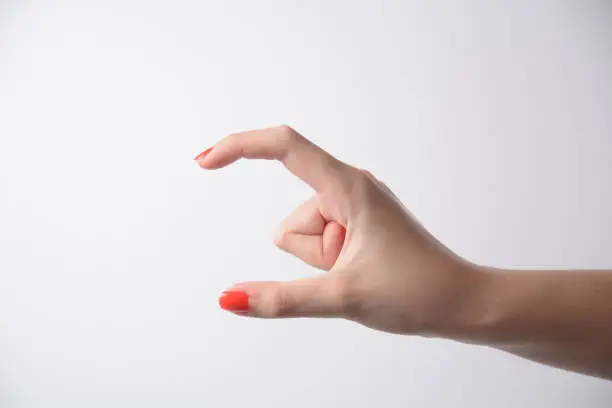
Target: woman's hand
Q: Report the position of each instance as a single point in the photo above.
(384, 269)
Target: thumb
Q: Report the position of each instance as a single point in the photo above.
(320, 296)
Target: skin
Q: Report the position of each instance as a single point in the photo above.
(384, 270)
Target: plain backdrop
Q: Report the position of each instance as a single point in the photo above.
(491, 120)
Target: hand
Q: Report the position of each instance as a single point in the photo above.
(383, 269)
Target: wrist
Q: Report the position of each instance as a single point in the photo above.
(475, 314)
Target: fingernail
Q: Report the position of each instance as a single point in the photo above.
(234, 301)
(203, 154)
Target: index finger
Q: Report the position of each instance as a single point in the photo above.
(300, 156)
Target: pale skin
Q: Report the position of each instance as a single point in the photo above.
(383, 269)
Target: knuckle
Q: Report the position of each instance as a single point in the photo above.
(350, 182)
(286, 133)
(233, 136)
(279, 237)
(283, 303)
(364, 186)
(347, 296)
(367, 173)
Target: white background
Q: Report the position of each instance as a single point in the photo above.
(491, 120)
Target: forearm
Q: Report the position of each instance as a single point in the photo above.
(561, 318)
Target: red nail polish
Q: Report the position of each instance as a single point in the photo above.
(234, 301)
(203, 154)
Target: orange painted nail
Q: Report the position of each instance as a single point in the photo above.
(203, 154)
(234, 301)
